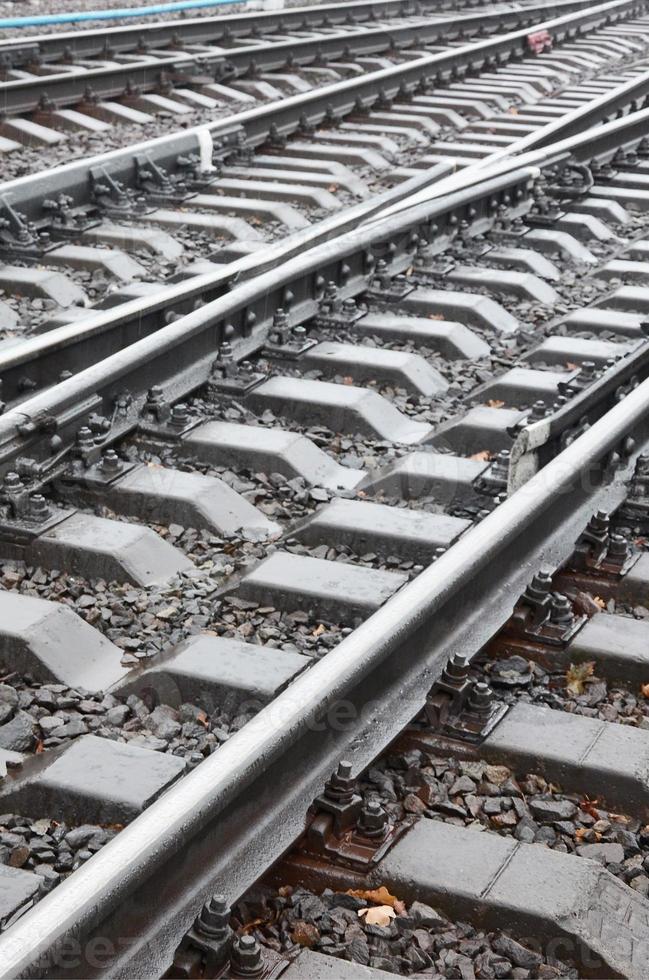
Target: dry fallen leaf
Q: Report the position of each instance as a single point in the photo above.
(348, 380)
(250, 926)
(319, 630)
(380, 915)
(495, 403)
(619, 818)
(577, 675)
(483, 456)
(590, 806)
(599, 601)
(435, 316)
(379, 895)
(645, 690)
(571, 366)
(513, 111)
(305, 934)
(582, 831)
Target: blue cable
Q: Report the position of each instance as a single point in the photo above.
(71, 18)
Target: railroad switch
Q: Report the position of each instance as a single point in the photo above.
(210, 949)
(344, 830)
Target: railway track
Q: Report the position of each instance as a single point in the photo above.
(239, 61)
(363, 493)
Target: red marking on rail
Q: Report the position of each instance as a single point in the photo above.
(539, 41)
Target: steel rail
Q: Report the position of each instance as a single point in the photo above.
(207, 30)
(181, 354)
(23, 95)
(103, 334)
(611, 122)
(77, 346)
(282, 119)
(123, 912)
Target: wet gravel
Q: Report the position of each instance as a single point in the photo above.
(418, 940)
(40, 716)
(492, 798)
(50, 848)
(516, 679)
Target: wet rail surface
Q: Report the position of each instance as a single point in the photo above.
(324, 448)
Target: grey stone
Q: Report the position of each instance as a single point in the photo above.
(18, 734)
(606, 853)
(18, 890)
(548, 810)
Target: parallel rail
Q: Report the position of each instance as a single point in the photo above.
(217, 829)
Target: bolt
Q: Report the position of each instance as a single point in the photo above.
(456, 670)
(537, 412)
(599, 523)
(246, 958)
(280, 320)
(85, 440)
(214, 918)
(560, 610)
(341, 786)
(179, 415)
(480, 698)
(349, 306)
(618, 547)
(225, 353)
(38, 507)
(642, 465)
(13, 483)
(110, 461)
(541, 584)
(373, 820)
(299, 334)
(155, 395)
